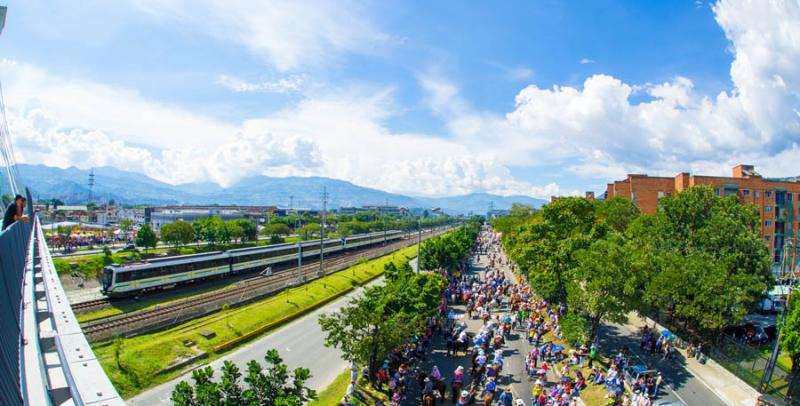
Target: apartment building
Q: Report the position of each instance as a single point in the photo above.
(776, 199)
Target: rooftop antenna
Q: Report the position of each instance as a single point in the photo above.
(291, 202)
(91, 184)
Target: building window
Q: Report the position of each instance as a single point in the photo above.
(766, 238)
(746, 192)
(660, 194)
(755, 193)
(716, 191)
(768, 208)
(768, 194)
(633, 197)
(768, 223)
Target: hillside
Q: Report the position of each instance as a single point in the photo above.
(70, 185)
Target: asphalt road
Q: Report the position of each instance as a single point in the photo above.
(679, 383)
(300, 344)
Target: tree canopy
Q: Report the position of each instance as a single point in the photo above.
(273, 385)
(146, 237)
(384, 317)
(700, 258)
(178, 233)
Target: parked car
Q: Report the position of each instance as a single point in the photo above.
(754, 329)
(128, 248)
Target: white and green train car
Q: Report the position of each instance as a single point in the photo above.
(123, 280)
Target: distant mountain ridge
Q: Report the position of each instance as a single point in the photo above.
(70, 185)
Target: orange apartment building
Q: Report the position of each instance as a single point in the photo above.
(777, 199)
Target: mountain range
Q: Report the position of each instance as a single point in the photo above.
(71, 186)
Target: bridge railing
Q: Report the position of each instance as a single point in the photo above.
(14, 246)
(44, 357)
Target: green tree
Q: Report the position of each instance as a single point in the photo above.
(211, 229)
(177, 233)
(790, 333)
(249, 229)
(310, 231)
(234, 231)
(618, 212)
(271, 386)
(383, 318)
(605, 283)
(275, 229)
(126, 225)
(146, 237)
(545, 247)
(107, 256)
(712, 265)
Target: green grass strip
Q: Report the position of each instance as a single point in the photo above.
(142, 356)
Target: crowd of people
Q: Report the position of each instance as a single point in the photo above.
(501, 308)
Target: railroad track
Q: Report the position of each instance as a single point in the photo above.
(265, 286)
(90, 305)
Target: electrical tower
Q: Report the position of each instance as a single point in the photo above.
(91, 185)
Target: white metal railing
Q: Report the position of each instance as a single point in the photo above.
(57, 364)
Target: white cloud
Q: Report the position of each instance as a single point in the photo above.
(597, 131)
(338, 134)
(585, 61)
(285, 34)
(289, 84)
(121, 112)
(593, 130)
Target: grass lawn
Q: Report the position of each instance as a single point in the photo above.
(784, 360)
(142, 356)
(334, 393)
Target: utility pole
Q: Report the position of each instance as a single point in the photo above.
(322, 232)
(419, 242)
(386, 208)
(788, 268)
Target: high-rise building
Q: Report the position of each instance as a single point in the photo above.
(776, 199)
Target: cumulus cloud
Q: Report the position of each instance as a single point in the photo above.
(597, 131)
(284, 34)
(338, 134)
(593, 130)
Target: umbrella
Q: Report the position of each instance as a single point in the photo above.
(558, 348)
(540, 372)
(667, 333)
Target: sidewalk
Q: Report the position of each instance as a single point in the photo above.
(725, 384)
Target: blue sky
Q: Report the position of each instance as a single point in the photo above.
(431, 98)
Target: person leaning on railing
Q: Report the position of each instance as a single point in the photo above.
(15, 212)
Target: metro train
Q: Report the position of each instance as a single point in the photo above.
(127, 279)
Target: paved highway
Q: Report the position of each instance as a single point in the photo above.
(300, 344)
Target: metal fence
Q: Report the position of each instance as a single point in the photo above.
(749, 363)
(14, 249)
